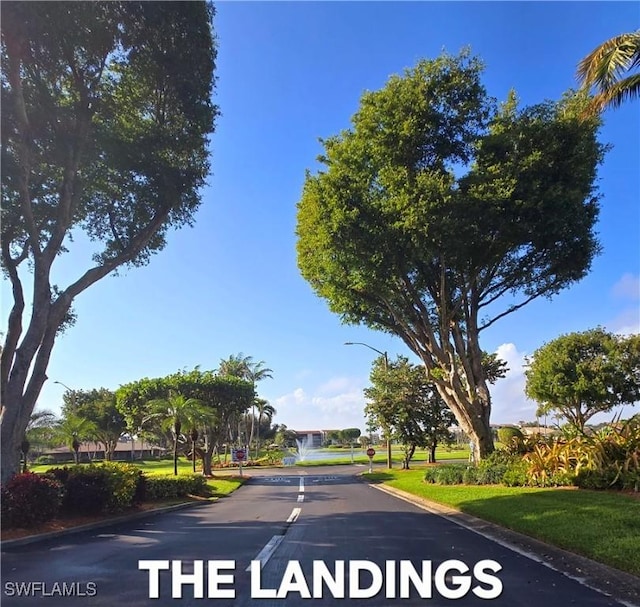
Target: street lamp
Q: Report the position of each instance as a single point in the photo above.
(64, 385)
(386, 368)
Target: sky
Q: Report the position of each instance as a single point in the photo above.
(289, 74)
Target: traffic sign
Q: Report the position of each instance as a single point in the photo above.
(371, 451)
(240, 454)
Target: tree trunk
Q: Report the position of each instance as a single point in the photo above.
(175, 456)
(432, 453)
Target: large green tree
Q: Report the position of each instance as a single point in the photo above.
(106, 111)
(580, 374)
(613, 70)
(99, 407)
(403, 401)
(438, 213)
(227, 397)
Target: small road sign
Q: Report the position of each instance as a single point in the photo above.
(240, 455)
(371, 452)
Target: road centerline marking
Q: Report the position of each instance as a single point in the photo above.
(265, 554)
(295, 513)
(301, 489)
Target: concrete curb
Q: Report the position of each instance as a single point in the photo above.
(41, 537)
(623, 587)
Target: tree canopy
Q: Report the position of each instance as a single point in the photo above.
(106, 113)
(440, 211)
(99, 407)
(403, 402)
(580, 374)
(227, 397)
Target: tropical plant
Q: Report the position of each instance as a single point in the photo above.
(605, 67)
(176, 411)
(266, 411)
(73, 430)
(244, 367)
(106, 113)
(40, 430)
(439, 213)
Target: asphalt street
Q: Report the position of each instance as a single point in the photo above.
(319, 533)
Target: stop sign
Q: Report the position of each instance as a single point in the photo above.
(371, 452)
(240, 454)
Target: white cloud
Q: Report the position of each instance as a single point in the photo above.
(509, 403)
(337, 403)
(626, 323)
(628, 287)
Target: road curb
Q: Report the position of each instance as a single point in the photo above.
(621, 586)
(41, 537)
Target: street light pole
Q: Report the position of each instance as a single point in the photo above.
(386, 368)
(63, 385)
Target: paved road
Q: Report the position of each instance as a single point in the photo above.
(301, 524)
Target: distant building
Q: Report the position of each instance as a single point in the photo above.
(95, 451)
(311, 438)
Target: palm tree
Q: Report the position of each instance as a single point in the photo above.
(604, 69)
(40, 422)
(73, 430)
(264, 410)
(244, 367)
(176, 411)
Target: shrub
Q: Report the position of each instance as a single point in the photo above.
(470, 476)
(449, 474)
(431, 474)
(516, 474)
(126, 483)
(167, 487)
(30, 499)
(45, 460)
(512, 438)
(608, 478)
(106, 487)
(88, 490)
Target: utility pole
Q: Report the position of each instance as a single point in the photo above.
(386, 368)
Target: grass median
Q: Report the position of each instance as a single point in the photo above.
(604, 526)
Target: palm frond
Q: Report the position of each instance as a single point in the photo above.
(605, 64)
(623, 90)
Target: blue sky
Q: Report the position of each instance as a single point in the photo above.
(288, 74)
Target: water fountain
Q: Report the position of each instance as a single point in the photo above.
(303, 449)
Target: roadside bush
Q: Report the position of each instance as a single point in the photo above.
(512, 439)
(30, 499)
(167, 487)
(449, 474)
(106, 487)
(126, 483)
(470, 476)
(489, 473)
(45, 460)
(88, 490)
(608, 478)
(516, 473)
(431, 474)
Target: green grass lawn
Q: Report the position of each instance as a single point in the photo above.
(604, 526)
(381, 457)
